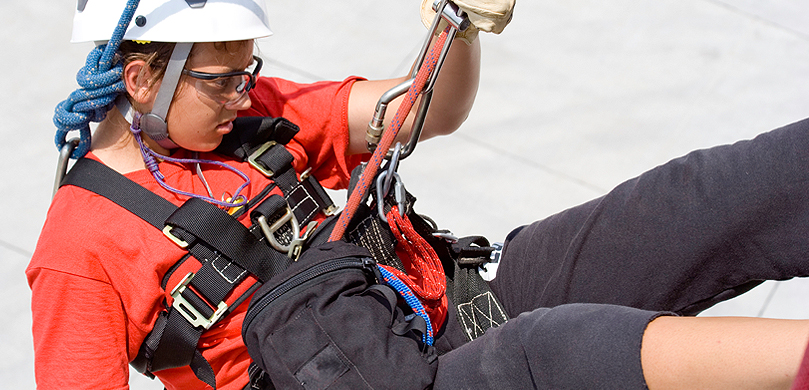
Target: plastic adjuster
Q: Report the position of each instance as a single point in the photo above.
(188, 310)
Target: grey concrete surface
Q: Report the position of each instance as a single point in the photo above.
(576, 96)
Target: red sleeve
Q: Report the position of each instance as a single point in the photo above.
(321, 111)
(79, 332)
(802, 379)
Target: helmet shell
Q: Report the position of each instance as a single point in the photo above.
(173, 20)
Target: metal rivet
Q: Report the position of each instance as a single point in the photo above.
(140, 21)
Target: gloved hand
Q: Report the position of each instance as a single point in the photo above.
(485, 15)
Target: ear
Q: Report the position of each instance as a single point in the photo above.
(139, 83)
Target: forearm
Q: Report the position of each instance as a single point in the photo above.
(455, 90)
(453, 95)
(722, 352)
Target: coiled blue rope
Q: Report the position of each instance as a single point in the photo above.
(414, 303)
(100, 83)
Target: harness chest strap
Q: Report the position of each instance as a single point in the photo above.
(174, 338)
(226, 249)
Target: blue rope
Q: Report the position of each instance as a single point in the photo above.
(414, 303)
(100, 83)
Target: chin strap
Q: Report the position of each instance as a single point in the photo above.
(154, 123)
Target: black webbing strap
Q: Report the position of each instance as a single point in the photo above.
(251, 132)
(260, 141)
(173, 341)
(233, 240)
(103, 180)
(174, 346)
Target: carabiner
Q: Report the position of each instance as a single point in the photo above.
(64, 159)
(399, 194)
(393, 165)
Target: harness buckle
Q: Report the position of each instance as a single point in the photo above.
(269, 230)
(188, 310)
(293, 249)
(253, 158)
(177, 240)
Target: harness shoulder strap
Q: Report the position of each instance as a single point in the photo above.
(103, 180)
(216, 239)
(205, 229)
(173, 342)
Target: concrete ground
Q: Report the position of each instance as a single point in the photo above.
(576, 96)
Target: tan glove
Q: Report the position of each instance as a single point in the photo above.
(485, 15)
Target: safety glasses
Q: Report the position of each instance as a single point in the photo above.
(226, 88)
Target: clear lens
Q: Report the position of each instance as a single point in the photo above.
(224, 90)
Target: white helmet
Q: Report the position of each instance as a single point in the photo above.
(173, 20)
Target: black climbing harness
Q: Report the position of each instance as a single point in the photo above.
(227, 253)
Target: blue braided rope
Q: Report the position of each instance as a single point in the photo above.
(414, 303)
(100, 83)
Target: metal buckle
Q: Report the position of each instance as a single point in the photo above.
(177, 240)
(188, 310)
(253, 158)
(269, 231)
(293, 249)
(329, 211)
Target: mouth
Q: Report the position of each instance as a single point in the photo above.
(225, 127)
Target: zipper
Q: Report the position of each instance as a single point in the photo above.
(304, 276)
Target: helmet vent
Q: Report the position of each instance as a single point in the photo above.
(195, 3)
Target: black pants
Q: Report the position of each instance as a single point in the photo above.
(688, 234)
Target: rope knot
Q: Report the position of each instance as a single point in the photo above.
(90, 103)
(100, 83)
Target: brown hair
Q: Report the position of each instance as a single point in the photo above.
(156, 55)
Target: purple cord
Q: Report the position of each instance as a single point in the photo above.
(149, 156)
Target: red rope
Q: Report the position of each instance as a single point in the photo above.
(427, 280)
(425, 273)
(385, 143)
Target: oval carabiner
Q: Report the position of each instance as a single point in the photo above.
(399, 193)
(393, 165)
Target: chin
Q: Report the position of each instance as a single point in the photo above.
(201, 147)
